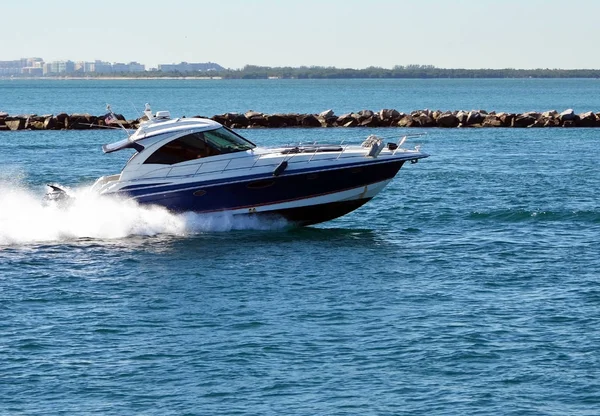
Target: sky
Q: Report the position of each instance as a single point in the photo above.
(341, 33)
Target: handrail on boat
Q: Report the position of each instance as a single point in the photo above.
(400, 142)
(402, 139)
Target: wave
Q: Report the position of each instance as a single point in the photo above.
(26, 218)
(521, 215)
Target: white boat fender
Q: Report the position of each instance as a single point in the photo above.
(280, 168)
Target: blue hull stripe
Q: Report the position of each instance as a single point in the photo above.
(272, 190)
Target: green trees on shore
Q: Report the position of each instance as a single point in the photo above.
(400, 71)
(320, 72)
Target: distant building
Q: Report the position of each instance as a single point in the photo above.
(136, 67)
(119, 67)
(33, 71)
(37, 67)
(18, 66)
(10, 67)
(190, 67)
(101, 67)
(32, 62)
(58, 68)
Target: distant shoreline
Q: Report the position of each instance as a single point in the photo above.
(398, 72)
(101, 78)
(170, 78)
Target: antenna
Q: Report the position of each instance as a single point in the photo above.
(111, 116)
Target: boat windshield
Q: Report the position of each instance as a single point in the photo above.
(198, 145)
(226, 141)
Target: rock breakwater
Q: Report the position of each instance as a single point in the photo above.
(363, 118)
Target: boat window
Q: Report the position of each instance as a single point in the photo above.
(226, 141)
(190, 147)
(198, 145)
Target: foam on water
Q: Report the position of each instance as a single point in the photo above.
(26, 218)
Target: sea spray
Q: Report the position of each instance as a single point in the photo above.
(26, 218)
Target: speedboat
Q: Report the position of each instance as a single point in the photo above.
(198, 165)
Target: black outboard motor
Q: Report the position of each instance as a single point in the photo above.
(57, 195)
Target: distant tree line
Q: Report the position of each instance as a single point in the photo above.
(398, 71)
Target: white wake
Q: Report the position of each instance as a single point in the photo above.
(26, 218)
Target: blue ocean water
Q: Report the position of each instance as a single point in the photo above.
(468, 286)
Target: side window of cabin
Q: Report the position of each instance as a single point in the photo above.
(190, 147)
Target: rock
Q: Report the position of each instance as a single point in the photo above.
(282, 120)
(372, 121)
(310, 120)
(49, 123)
(327, 114)
(239, 119)
(323, 121)
(327, 121)
(227, 119)
(61, 120)
(35, 125)
(523, 120)
(474, 117)
(15, 123)
(550, 114)
(533, 114)
(231, 116)
(447, 120)
(462, 117)
(424, 119)
(540, 122)
(251, 113)
(588, 119)
(388, 117)
(356, 116)
(548, 119)
(406, 121)
(344, 118)
(568, 115)
(31, 122)
(82, 121)
(551, 122)
(506, 118)
(221, 119)
(365, 114)
(256, 119)
(492, 120)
